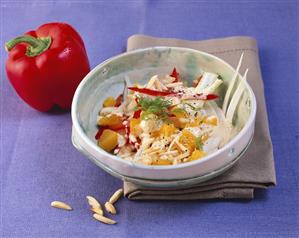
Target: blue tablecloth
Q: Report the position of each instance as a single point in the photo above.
(39, 163)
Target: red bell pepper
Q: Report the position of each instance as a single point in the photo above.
(100, 132)
(151, 91)
(119, 100)
(113, 127)
(175, 75)
(137, 114)
(45, 66)
(211, 96)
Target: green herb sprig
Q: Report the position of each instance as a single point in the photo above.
(179, 110)
(157, 106)
(198, 143)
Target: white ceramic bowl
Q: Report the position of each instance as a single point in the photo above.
(107, 80)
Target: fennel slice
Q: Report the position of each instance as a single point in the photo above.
(151, 83)
(231, 85)
(210, 108)
(213, 87)
(125, 90)
(207, 80)
(235, 99)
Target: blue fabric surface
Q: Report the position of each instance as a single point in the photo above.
(39, 164)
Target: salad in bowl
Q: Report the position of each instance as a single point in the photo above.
(164, 114)
(165, 121)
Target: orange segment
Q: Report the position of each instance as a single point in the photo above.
(108, 140)
(109, 102)
(188, 140)
(212, 120)
(197, 154)
(204, 137)
(196, 122)
(113, 122)
(135, 129)
(177, 123)
(167, 130)
(162, 162)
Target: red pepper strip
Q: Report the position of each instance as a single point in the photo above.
(137, 114)
(100, 132)
(127, 132)
(119, 100)
(151, 92)
(211, 96)
(167, 93)
(137, 143)
(175, 75)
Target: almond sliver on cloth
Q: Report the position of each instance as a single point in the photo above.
(256, 168)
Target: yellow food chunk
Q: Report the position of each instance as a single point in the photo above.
(109, 102)
(188, 140)
(108, 140)
(135, 129)
(197, 154)
(196, 122)
(167, 130)
(162, 162)
(177, 123)
(112, 121)
(204, 137)
(212, 120)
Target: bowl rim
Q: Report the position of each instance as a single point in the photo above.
(90, 143)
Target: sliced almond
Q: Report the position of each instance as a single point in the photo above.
(151, 150)
(103, 219)
(97, 210)
(110, 208)
(93, 202)
(61, 205)
(172, 152)
(116, 196)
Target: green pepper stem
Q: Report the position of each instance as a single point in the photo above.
(36, 45)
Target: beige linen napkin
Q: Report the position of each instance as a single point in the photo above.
(256, 168)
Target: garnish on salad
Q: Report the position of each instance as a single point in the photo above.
(164, 122)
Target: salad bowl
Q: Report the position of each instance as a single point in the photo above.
(107, 79)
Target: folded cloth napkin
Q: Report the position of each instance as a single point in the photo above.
(256, 168)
